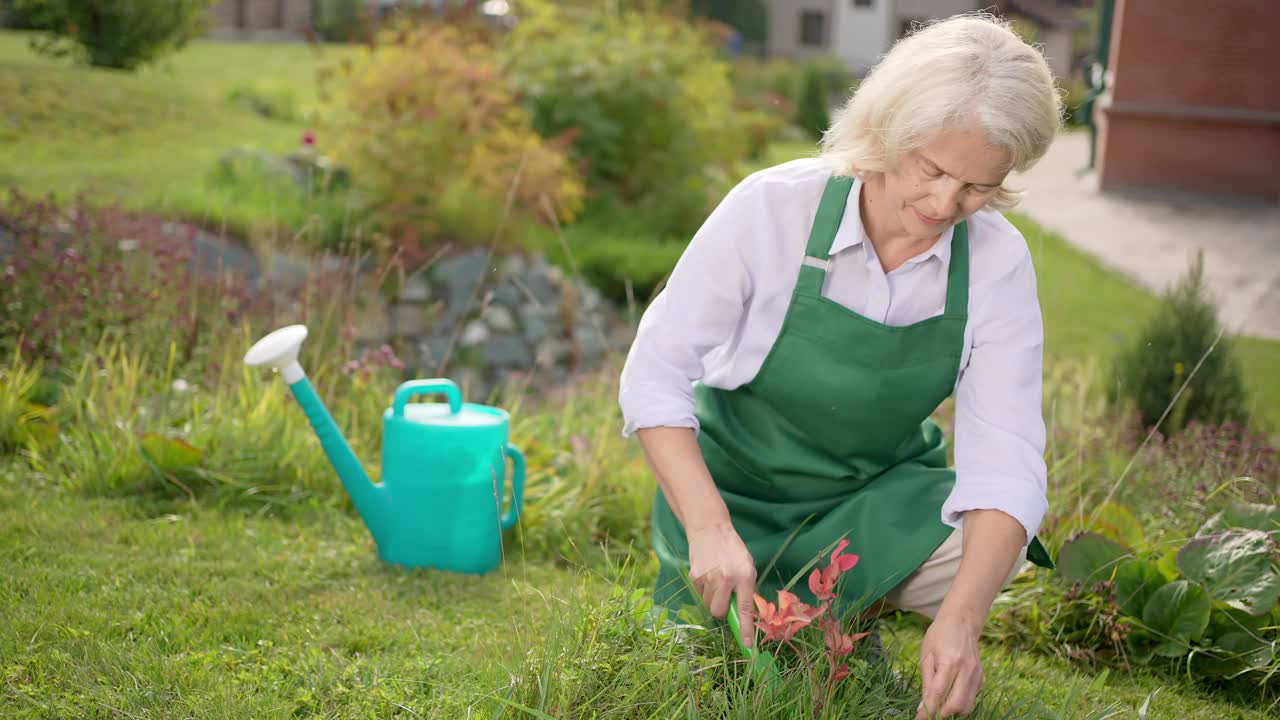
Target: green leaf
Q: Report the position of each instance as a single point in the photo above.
(1136, 582)
(1249, 650)
(1243, 516)
(1114, 521)
(1090, 557)
(1141, 646)
(1235, 566)
(1179, 610)
(1226, 620)
(1168, 565)
(1171, 649)
(170, 455)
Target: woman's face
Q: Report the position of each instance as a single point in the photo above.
(944, 182)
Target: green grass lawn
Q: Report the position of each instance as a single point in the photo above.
(114, 611)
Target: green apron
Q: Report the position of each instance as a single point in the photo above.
(833, 439)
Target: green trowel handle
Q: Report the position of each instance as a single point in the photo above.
(426, 387)
(762, 664)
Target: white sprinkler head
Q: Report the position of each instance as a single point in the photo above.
(280, 351)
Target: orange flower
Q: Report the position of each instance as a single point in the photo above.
(783, 621)
(823, 582)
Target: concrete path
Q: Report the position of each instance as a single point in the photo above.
(1152, 239)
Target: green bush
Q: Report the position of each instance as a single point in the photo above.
(1184, 333)
(642, 96)
(1212, 603)
(813, 113)
(343, 20)
(438, 145)
(121, 35)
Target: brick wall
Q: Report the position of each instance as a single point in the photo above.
(1194, 104)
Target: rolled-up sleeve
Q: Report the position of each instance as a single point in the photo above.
(999, 427)
(698, 309)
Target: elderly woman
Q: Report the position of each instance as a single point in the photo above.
(782, 383)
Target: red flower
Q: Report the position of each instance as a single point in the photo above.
(783, 621)
(839, 643)
(309, 139)
(823, 582)
(840, 673)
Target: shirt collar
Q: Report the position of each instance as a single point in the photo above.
(851, 232)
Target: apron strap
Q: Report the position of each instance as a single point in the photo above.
(817, 260)
(958, 273)
(817, 254)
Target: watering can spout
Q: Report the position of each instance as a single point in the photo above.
(279, 350)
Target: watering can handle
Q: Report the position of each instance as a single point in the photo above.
(517, 486)
(426, 387)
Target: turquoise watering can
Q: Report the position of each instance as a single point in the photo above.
(444, 468)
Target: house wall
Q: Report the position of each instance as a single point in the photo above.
(1193, 103)
(1058, 49)
(783, 38)
(262, 18)
(863, 35)
(931, 9)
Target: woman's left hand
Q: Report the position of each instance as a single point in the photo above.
(950, 668)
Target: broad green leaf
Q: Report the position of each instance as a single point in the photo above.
(1141, 646)
(1243, 516)
(1249, 650)
(1179, 610)
(1090, 557)
(1168, 565)
(171, 455)
(1136, 582)
(1171, 649)
(1235, 566)
(1226, 620)
(1114, 521)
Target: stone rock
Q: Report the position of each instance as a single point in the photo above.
(513, 265)
(499, 318)
(551, 353)
(416, 290)
(507, 351)
(410, 319)
(537, 322)
(475, 333)
(538, 280)
(509, 295)
(591, 342)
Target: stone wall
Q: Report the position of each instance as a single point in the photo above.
(482, 320)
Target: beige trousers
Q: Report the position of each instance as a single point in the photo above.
(924, 589)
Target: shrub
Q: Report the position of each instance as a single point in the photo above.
(121, 35)
(437, 143)
(343, 20)
(648, 103)
(75, 275)
(813, 113)
(1181, 338)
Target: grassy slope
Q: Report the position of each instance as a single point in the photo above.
(150, 139)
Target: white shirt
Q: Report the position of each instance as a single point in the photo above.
(723, 306)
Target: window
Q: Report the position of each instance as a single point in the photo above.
(862, 3)
(813, 28)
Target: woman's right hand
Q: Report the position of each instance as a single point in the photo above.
(719, 566)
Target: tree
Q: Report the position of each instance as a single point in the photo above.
(122, 34)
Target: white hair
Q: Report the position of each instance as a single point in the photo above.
(968, 72)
